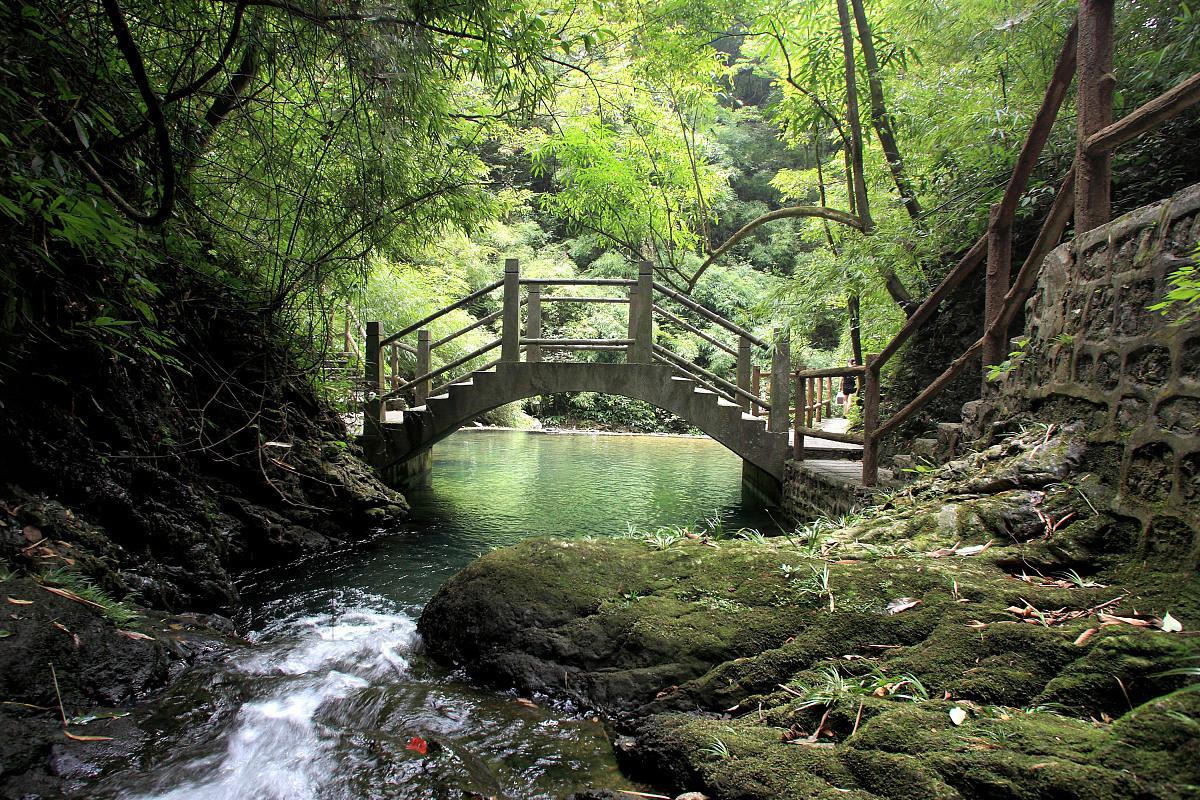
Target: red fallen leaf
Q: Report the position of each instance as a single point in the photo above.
(418, 744)
(76, 737)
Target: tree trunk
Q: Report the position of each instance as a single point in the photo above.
(852, 311)
(894, 287)
(879, 116)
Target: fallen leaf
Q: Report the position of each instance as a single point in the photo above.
(136, 635)
(1083, 637)
(79, 738)
(1113, 619)
(1170, 624)
(974, 549)
(418, 744)
(18, 602)
(901, 604)
(5, 634)
(32, 533)
(943, 551)
(958, 715)
(72, 596)
(527, 703)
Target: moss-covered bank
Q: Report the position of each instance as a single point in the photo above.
(829, 665)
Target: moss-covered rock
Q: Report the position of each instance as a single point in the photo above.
(830, 666)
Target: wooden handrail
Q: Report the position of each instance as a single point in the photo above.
(435, 315)
(687, 326)
(458, 362)
(1145, 117)
(549, 298)
(580, 342)
(479, 323)
(438, 390)
(833, 436)
(712, 376)
(576, 282)
(709, 315)
(697, 378)
(832, 372)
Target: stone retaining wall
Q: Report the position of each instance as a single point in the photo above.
(1097, 354)
(809, 493)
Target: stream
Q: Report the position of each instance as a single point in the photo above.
(326, 704)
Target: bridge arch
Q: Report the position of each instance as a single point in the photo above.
(395, 444)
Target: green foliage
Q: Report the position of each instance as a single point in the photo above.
(118, 612)
(997, 371)
(1182, 300)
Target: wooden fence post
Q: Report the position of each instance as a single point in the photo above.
(870, 416)
(999, 267)
(743, 374)
(372, 371)
(424, 364)
(781, 367)
(394, 361)
(820, 400)
(801, 402)
(1094, 111)
(533, 323)
(510, 341)
(641, 313)
(756, 390)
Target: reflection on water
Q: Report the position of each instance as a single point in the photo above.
(325, 705)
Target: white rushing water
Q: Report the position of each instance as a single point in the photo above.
(282, 746)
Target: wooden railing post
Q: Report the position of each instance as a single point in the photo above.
(801, 402)
(510, 343)
(820, 400)
(743, 374)
(641, 315)
(1094, 111)
(999, 267)
(394, 361)
(533, 323)
(372, 371)
(809, 393)
(756, 390)
(781, 367)
(870, 417)
(829, 395)
(424, 365)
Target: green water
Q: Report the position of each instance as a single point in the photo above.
(325, 702)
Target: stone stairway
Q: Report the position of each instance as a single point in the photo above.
(929, 453)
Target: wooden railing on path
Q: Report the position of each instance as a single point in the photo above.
(1086, 54)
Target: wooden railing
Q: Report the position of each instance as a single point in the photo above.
(528, 338)
(1086, 55)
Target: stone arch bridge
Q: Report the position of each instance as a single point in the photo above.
(406, 414)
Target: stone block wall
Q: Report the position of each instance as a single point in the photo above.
(1097, 354)
(809, 493)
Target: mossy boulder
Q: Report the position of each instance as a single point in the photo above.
(988, 634)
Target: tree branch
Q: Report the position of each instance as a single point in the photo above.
(154, 112)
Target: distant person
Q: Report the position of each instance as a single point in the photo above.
(849, 388)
